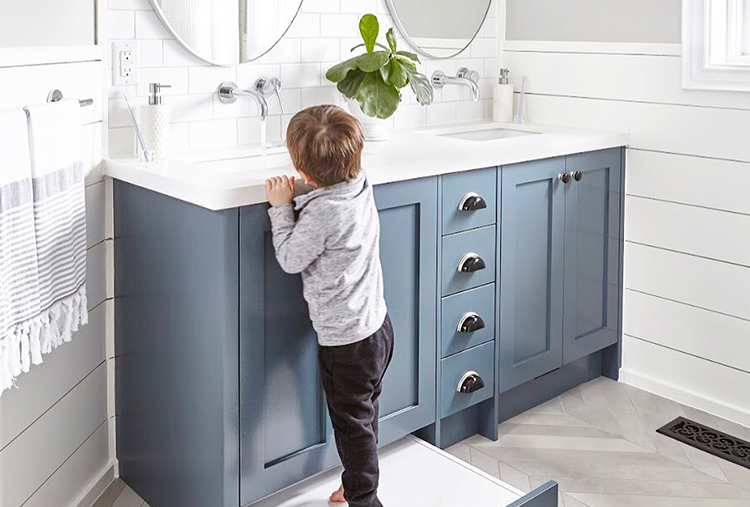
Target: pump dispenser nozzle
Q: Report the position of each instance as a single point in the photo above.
(154, 93)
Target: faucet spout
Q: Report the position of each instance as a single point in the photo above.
(472, 86)
(262, 105)
(465, 78)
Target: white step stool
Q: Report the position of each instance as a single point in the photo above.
(414, 473)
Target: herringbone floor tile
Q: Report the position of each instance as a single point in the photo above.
(599, 442)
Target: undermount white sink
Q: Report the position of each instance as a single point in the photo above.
(273, 162)
(488, 134)
(277, 161)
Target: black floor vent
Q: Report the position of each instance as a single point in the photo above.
(709, 440)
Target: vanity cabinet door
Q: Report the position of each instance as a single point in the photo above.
(592, 253)
(408, 253)
(531, 272)
(285, 430)
(286, 435)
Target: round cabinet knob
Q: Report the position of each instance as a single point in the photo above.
(564, 177)
(470, 382)
(470, 322)
(470, 263)
(472, 202)
(578, 175)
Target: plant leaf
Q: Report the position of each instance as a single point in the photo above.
(340, 71)
(377, 98)
(370, 29)
(397, 76)
(351, 83)
(407, 63)
(410, 56)
(421, 87)
(391, 36)
(370, 62)
(385, 71)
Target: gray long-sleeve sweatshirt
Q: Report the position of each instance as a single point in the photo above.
(335, 245)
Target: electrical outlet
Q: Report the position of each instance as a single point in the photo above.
(124, 63)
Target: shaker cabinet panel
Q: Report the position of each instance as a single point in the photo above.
(408, 253)
(468, 260)
(285, 431)
(592, 253)
(467, 319)
(531, 273)
(469, 200)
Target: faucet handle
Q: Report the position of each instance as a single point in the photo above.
(468, 74)
(278, 98)
(268, 86)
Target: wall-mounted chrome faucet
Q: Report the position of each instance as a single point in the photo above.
(264, 87)
(464, 77)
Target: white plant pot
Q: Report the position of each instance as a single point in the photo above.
(375, 128)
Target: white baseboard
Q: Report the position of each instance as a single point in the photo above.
(97, 486)
(680, 395)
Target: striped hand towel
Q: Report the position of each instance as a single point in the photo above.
(42, 234)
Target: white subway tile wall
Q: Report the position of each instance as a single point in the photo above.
(322, 35)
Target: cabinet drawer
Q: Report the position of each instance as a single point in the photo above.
(481, 360)
(459, 309)
(460, 187)
(475, 247)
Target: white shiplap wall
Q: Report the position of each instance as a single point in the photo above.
(322, 35)
(54, 431)
(687, 253)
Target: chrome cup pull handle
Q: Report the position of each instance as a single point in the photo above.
(470, 263)
(472, 202)
(470, 382)
(470, 322)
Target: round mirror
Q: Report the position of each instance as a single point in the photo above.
(439, 28)
(227, 32)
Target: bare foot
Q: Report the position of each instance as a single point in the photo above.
(338, 495)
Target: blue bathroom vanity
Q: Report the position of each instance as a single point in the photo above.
(504, 286)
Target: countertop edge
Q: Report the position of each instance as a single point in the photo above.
(218, 198)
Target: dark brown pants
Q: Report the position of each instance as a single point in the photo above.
(352, 377)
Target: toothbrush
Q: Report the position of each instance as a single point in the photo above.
(521, 102)
(147, 154)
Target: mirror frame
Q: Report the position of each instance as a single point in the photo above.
(160, 13)
(415, 46)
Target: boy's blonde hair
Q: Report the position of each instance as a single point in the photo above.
(326, 143)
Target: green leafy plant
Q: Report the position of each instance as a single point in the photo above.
(375, 78)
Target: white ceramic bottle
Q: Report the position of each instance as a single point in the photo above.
(155, 122)
(502, 106)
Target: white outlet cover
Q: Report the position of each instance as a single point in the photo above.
(124, 72)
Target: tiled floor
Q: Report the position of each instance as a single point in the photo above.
(598, 441)
(119, 495)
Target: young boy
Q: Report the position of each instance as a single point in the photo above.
(334, 244)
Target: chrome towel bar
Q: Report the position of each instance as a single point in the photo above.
(57, 96)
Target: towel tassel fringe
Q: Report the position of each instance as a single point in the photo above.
(26, 343)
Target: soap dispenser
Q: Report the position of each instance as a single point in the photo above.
(155, 121)
(502, 107)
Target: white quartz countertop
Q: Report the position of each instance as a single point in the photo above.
(222, 180)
